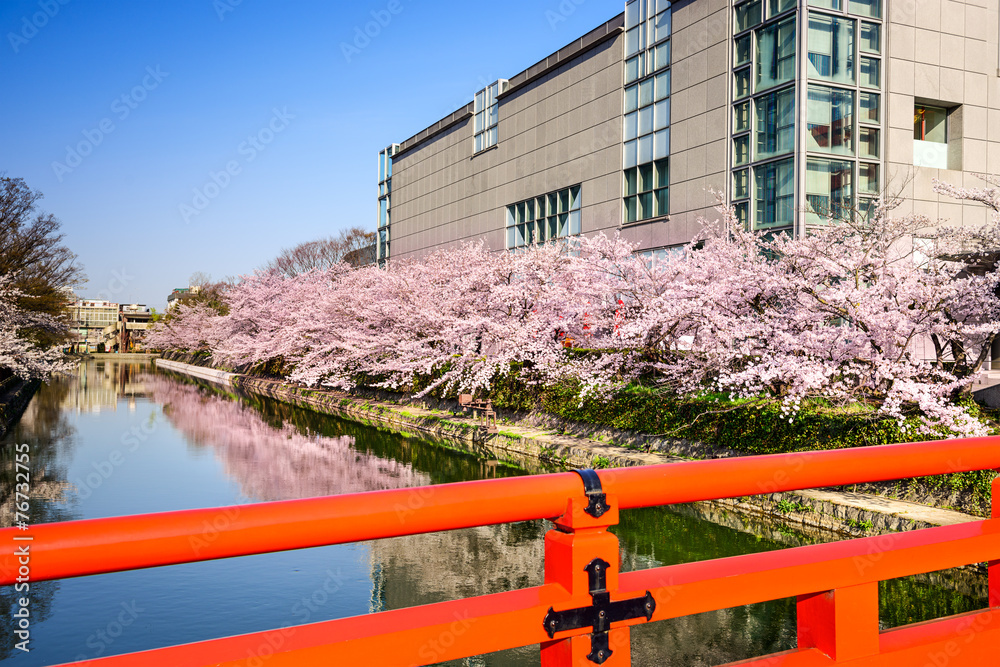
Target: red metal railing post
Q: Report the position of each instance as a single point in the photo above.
(994, 565)
(577, 540)
(842, 623)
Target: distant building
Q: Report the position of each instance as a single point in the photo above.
(118, 326)
(126, 334)
(88, 319)
(180, 293)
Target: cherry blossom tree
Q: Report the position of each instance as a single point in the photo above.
(837, 314)
(190, 328)
(21, 351)
(833, 314)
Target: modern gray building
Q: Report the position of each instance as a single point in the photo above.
(793, 111)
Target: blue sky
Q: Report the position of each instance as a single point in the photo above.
(206, 135)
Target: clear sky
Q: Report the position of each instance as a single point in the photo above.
(174, 136)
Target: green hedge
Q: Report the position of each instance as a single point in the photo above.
(756, 428)
(746, 426)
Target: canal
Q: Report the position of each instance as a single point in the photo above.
(118, 439)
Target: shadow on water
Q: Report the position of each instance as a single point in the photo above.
(267, 450)
(46, 431)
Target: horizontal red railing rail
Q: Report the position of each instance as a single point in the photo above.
(94, 546)
(836, 583)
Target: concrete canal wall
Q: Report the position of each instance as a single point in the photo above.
(128, 356)
(545, 447)
(210, 374)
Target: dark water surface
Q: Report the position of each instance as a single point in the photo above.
(117, 439)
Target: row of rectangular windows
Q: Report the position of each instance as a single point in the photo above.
(545, 218)
(647, 62)
(775, 57)
(384, 201)
(647, 191)
(646, 133)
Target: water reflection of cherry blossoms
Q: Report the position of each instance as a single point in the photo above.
(274, 463)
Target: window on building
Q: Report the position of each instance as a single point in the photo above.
(869, 38)
(868, 106)
(741, 150)
(830, 120)
(748, 15)
(829, 190)
(774, 185)
(930, 137)
(647, 191)
(544, 219)
(775, 114)
(868, 142)
(869, 72)
(741, 53)
(741, 117)
(487, 112)
(775, 54)
(930, 124)
(383, 245)
(741, 210)
(775, 7)
(867, 178)
(870, 8)
(831, 48)
(661, 257)
(646, 134)
(384, 202)
(741, 83)
(741, 184)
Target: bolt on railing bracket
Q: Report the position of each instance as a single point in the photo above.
(595, 493)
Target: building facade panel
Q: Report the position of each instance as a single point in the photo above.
(560, 130)
(793, 111)
(699, 122)
(943, 56)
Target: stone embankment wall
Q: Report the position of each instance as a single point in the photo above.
(544, 446)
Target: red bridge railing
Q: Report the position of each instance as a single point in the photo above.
(582, 613)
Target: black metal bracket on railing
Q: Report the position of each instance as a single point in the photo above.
(601, 614)
(595, 493)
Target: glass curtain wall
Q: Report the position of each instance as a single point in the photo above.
(763, 125)
(837, 156)
(647, 110)
(843, 118)
(384, 202)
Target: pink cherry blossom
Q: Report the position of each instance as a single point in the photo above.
(875, 309)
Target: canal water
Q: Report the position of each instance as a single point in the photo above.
(118, 439)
